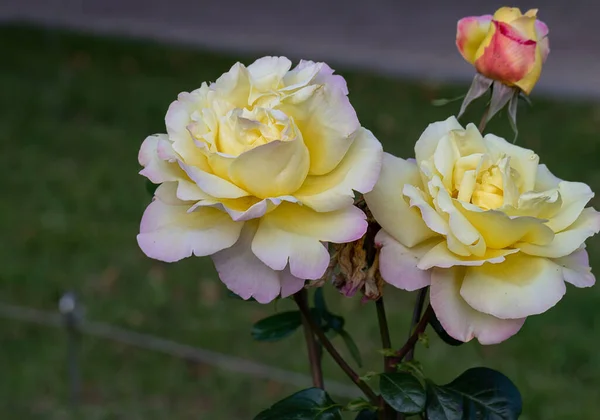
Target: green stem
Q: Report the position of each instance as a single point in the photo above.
(364, 387)
(314, 358)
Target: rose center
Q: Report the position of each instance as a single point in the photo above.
(478, 181)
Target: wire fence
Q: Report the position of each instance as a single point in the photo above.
(69, 319)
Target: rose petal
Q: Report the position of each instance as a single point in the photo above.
(576, 268)
(358, 171)
(440, 256)
(428, 142)
(398, 264)
(169, 233)
(389, 207)
(470, 33)
(293, 233)
(247, 276)
(575, 196)
(273, 169)
(569, 240)
(519, 287)
(459, 319)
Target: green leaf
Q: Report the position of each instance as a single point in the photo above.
(403, 392)
(366, 415)
(352, 347)
(308, 404)
(359, 404)
(442, 403)
(441, 332)
(479, 393)
(326, 319)
(277, 326)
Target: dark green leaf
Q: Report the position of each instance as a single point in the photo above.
(403, 392)
(326, 319)
(277, 326)
(442, 403)
(479, 393)
(150, 187)
(441, 332)
(367, 415)
(352, 348)
(308, 404)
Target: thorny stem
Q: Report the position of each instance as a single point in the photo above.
(314, 358)
(416, 317)
(364, 387)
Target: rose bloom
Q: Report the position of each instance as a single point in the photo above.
(492, 231)
(258, 170)
(508, 46)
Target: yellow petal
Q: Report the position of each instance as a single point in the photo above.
(470, 33)
(358, 171)
(520, 286)
(271, 170)
(507, 14)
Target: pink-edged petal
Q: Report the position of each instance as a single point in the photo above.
(398, 264)
(156, 168)
(576, 268)
(440, 256)
(294, 234)
(169, 233)
(358, 171)
(247, 276)
(470, 33)
(518, 287)
(290, 284)
(389, 207)
(459, 319)
(541, 30)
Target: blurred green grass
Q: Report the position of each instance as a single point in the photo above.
(73, 112)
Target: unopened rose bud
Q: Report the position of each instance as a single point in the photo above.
(509, 46)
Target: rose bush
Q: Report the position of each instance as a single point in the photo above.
(491, 230)
(258, 170)
(508, 46)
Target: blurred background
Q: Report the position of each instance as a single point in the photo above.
(84, 82)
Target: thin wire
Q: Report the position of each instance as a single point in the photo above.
(183, 351)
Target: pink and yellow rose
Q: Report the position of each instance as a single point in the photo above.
(492, 231)
(509, 46)
(258, 170)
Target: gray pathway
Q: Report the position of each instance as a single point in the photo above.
(407, 38)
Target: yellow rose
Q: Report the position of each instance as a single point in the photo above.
(258, 170)
(509, 47)
(492, 231)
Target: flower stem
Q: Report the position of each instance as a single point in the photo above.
(364, 387)
(385, 332)
(388, 366)
(416, 317)
(414, 337)
(314, 358)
